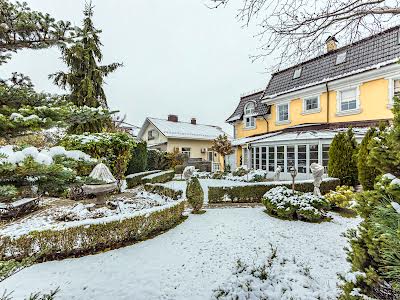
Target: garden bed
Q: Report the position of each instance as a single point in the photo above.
(77, 230)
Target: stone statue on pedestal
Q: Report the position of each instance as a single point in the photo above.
(318, 171)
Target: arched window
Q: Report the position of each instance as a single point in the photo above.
(249, 118)
(249, 108)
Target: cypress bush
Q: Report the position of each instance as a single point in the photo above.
(367, 173)
(342, 158)
(195, 194)
(138, 161)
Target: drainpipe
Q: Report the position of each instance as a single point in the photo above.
(327, 102)
(267, 123)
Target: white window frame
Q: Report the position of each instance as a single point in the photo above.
(297, 73)
(339, 111)
(249, 116)
(341, 58)
(314, 110)
(187, 152)
(282, 122)
(391, 91)
(150, 135)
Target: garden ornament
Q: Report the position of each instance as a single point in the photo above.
(318, 171)
(188, 172)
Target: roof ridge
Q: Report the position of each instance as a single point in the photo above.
(337, 50)
(215, 126)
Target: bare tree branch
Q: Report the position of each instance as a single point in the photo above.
(295, 30)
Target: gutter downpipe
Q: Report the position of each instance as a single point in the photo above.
(327, 103)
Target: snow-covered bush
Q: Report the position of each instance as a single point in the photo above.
(240, 172)
(195, 194)
(273, 278)
(280, 201)
(342, 197)
(52, 171)
(159, 177)
(134, 180)
(8, 193)
(114, 148)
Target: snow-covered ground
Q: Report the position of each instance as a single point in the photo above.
(61, 217)
(199, 256)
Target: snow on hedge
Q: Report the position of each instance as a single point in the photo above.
(151, 176)
(86, 214)
(145, 173)
(45, 156)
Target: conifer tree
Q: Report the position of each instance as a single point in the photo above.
(366, 172)
(21, 28)
(342, 158)
(85, 78)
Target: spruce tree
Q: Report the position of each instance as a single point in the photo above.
(342, 158)
(367, 173)
(21, 28)
(85, 78)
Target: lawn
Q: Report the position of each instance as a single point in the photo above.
(198, 257)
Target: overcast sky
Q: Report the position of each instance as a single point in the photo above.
(179, 57)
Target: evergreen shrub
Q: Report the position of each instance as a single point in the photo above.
(342, 158)
(114, 148)
(138, 161)
(342, 197)
(195, 194)
(134, 180)
(160, 177)
(281, 202)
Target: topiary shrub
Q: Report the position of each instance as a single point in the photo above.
(240, 172)
(342, 158)
(134, 180)
(342, 197)
(114, 148)
(281, 202)
(138, 161)
(195, 194)
(179, 169)
(367, 172)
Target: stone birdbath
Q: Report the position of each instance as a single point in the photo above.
(101, 173)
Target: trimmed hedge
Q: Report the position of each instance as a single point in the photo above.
(163, 191)
(56, 244)
(134, 180)
(159, 177)
(255, 193)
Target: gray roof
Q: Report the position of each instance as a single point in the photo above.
(360, 56)
(261, 109)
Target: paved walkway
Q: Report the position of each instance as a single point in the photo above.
(189, 261)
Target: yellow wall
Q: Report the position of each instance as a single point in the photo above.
(374, 97)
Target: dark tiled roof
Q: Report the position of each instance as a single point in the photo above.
(261, 109)
(367, 53)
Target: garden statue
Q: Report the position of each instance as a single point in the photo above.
(188, 172)
(318, 171)
(278, 171)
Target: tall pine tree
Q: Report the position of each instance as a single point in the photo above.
(85, 78)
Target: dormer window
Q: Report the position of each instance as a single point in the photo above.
(341, 58)
(249, 117)
(297, 73)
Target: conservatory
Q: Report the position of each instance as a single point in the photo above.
(291, 149)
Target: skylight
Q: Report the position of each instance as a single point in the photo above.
(297, 73)
(341, 58)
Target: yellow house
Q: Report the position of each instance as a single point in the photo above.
(194, 140)
(292, 122)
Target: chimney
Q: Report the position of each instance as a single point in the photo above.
(193, 121)
(173, 118)
(331, 44)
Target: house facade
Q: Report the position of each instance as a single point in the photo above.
(192, 139)
(292, 122)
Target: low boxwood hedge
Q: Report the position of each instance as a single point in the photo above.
(134, 180)
(88, 239)
(163, 191)
(159, 177)
(254, 193)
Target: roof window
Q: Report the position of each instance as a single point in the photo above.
(297, 73)
(341, 58)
